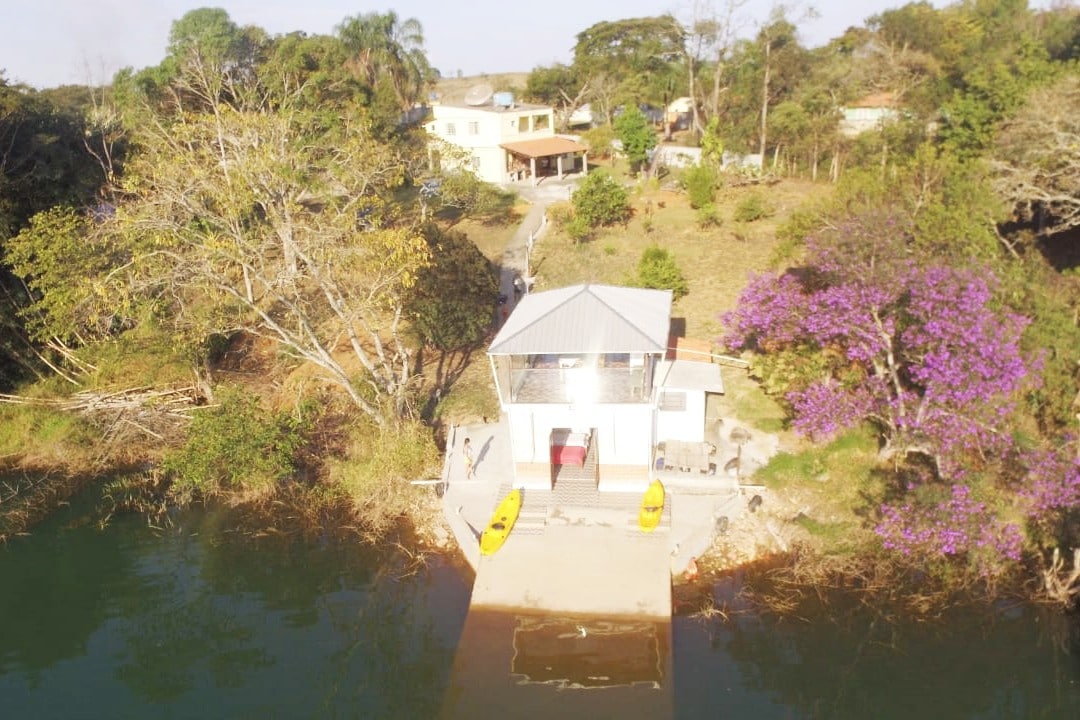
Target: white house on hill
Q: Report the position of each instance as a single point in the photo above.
(585, 380)
(868, 113)
(505, 141)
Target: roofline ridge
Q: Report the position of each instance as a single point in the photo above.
(622, 317)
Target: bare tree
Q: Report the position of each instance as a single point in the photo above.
(710, 34)
(257, 221)
(1036, 158)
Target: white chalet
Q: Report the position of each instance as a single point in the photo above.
(504, 141)
(585, 380)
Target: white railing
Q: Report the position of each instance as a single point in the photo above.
(528, 278)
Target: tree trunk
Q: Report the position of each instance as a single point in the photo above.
(764, 102)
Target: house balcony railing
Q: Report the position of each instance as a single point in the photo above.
(576, 385)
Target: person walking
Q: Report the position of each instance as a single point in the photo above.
(470, 463)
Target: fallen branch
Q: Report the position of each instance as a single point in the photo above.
(153, 412)
(1062, 588)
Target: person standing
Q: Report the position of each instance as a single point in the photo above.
(470, 463)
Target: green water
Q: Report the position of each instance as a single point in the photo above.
(193, 621)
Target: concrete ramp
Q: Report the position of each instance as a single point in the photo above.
(589, 569)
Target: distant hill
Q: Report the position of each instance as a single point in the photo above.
(452, 90)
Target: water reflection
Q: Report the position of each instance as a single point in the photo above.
(579, 653)
(854, 661)
(173, 623)
(533, 666)
(196, 621)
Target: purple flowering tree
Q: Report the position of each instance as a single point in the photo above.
(955, 526)
(1051, 493)
(919, 351)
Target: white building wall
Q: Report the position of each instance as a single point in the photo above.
(479, 131)
(685, 424)
(622, 432)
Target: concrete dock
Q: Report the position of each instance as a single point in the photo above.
(575, 549)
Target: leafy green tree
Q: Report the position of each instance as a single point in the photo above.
(990, 93)
(382, 45)
(657, 270)
(44, 162)
(450, 305)
(630, 61)
(600, 200)
(312, 72)
(712, 144)
(558, 86)
(210, 59)
(599, 139)
(467, 195)
(637, 137)
(65, 265)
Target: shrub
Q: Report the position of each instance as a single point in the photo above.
(378, 466)
(600, 200)
(753, 207)
(560, 213)
(709, 216)
(236, 445)
(578, 230)
(657, 270)
(700, 184)
(599, 140)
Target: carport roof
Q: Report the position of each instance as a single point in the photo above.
(587, 319)
(544, 147)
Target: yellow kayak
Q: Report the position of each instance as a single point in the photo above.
(652, 506)
(502, 522)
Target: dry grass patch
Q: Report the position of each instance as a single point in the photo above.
(715, 261)
(453, 89)
(472, 398)
(491, 237)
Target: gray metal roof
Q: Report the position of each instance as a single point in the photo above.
(587, 319)
(689, 375)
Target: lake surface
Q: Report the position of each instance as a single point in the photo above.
(194, 621)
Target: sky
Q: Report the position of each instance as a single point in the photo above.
(57, 42)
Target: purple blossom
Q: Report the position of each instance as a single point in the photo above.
(921, 351)
(1052, 484)
(957, 527)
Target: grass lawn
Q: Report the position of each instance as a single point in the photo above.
(715, 261)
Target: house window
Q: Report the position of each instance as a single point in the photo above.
(474, 128)
(450, 129)
(475, 162)
(540, 122)
(523, 124)
(674, 401)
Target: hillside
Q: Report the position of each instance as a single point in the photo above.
(452, 90)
